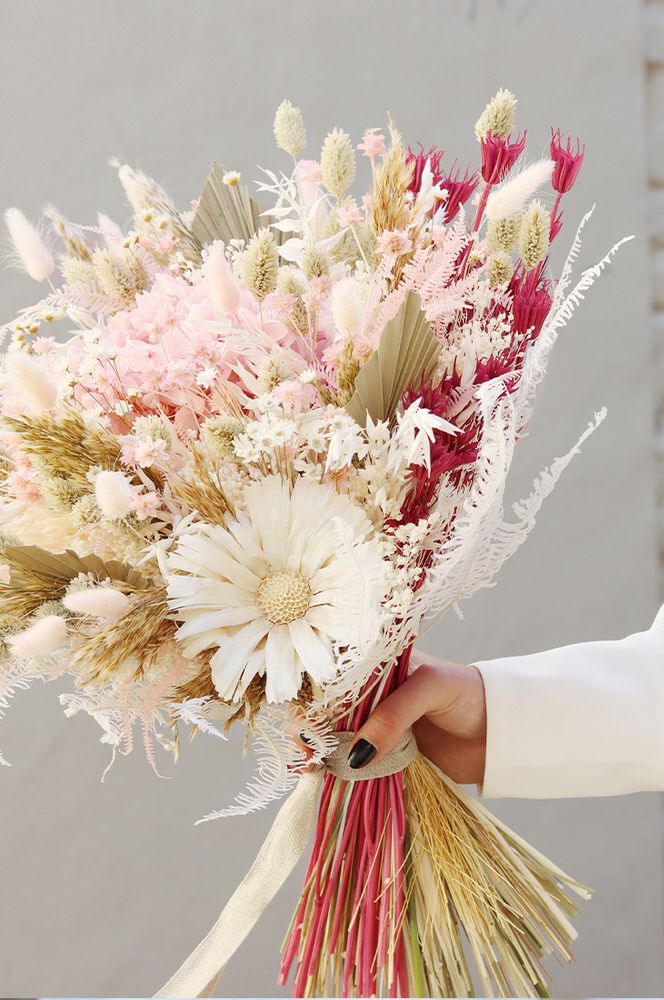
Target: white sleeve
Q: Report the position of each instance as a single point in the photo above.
(581, 720)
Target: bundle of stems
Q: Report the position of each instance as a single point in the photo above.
(414, 889)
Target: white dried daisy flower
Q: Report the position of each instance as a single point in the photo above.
(337, 162)
(277, 586)
(289, 131)
(534, 234)
(498, 117)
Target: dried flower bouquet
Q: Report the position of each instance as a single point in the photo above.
(274, 443)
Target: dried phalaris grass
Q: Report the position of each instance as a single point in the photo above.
(203, 492)
(390, 208)
(73, 237)
(477, 885)
(137, 636)
(63, 445)
(200, 686)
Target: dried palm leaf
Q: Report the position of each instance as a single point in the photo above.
(59, 569)
(227, 212)
(407, 353)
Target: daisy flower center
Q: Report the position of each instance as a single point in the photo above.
(284, 597)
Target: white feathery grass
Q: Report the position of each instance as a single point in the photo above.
(27, 378)
(98, 602)
(40, 639)
(220, 280)
(514, 193)
(113, 494)
(29, 246)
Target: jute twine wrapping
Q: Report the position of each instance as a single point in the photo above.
(282, 849)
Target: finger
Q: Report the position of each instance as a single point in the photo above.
(387, 724)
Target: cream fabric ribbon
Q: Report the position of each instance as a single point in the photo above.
(281, 850)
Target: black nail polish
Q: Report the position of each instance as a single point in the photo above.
(361, 754)
(305, 738)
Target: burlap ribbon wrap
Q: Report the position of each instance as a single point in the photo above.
(282, 849)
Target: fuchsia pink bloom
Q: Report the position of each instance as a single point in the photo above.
(499, 156)
(567, 162)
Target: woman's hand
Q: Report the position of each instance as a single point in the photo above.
(444, 705)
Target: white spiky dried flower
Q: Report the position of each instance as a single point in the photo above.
(32, 252)
(534, 234)
(258, 265)
(289, 131)
(498, 117)
(337, 162)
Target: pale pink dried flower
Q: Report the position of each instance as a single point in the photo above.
(220, 280)
(349, 215)
(373, 144)
(309, 170)
(40, 639)
(98, 602)
(113, 494)
(393, 243)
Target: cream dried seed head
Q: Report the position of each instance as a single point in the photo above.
(500, 268)
(259, 264)
(534, 234)
(503, 234)
(337, 162)
(498, 117)
(289, 130)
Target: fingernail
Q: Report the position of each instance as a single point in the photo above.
(361, 754)
(305, 738)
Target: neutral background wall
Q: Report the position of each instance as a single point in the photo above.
(106, 888)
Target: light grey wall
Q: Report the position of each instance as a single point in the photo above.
(106, 888)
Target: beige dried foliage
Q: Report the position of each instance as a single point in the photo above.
(478, 886)
(390, 207)
(74, 239)
(120, 276)
(63, 445)
(349, 366)
(135, 639)
(203, 491)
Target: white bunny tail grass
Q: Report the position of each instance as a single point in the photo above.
(32, 253)
(481, 893)
(514, 193)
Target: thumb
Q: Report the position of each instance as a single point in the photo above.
(386, 725)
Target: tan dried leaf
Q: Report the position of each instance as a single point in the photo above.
(407, 353)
